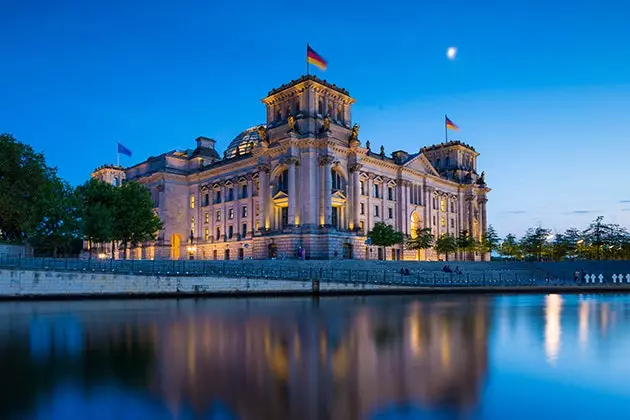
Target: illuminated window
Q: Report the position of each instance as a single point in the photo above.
(443, 204)
(244, 211)
(192, 201)
(218, 216)
(206, 218)
(362, 226)
(231, 214)
(192, 223)
(206, 234)
(443, 222)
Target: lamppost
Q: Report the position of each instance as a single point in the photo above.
(191, 246)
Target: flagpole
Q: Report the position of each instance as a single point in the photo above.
(445, 129)
(307, 63)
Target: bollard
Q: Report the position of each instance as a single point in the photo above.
(315, 286)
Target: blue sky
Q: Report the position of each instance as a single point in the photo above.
(540, 88)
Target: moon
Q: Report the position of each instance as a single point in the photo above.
(451, 53)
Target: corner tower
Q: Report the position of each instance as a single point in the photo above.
(302, 105)
(112, 174)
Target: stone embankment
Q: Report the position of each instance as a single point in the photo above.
(39, 278)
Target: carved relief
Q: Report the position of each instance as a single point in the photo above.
(326, 160)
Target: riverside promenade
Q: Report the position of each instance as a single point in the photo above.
(68, 278)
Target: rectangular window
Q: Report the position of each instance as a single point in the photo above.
(230, 196)
(375, 190)
(244, 211)
(434, 220)
(443, 204)
(206, 234)
(206, 199)
(375, 211)
(362, 211)
(390, 213)
(206, 218)
(218, 215)
(231, 214)
(452, 223)
(362, 187)
(192, 224)
(217, 197)
(257, 210)
(218, 234)
(244, 192)
(452, 207)
(192, 201)
(362, 226)
(230, 231)
(256, 188)
(443, 222)
(244, 230)
(390, 193)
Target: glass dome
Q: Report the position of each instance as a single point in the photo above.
(244, 142)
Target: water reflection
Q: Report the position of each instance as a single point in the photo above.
(350, 358)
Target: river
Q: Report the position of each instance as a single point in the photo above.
(380, 358)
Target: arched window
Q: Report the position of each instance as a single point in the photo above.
(283, 181)
(116, 182)
(297, 106)
(320, 106)
(340, 113)
(438, 163)
(447, 162)
(337, 180)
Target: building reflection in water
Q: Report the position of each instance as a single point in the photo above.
(431, 355)
(583, 323)
(553, 328)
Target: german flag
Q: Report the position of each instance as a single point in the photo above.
(313, 58)
(450, 125)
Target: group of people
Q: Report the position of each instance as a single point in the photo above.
(448, 269)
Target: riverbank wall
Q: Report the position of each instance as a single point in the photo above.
(47, 284)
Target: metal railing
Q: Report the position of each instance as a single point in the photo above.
(250, 269)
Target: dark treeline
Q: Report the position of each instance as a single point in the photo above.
(42, 210)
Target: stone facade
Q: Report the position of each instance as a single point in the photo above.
(303, 180)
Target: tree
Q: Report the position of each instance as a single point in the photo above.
(510, 247)
(489, 241)
(134, 219)
(98, 200)
(465, 242)
(24, 181)
(423, 239)
(384, 235)
(445, 244)
(534, 241)
(59, 226)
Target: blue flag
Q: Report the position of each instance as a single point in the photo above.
(122, 149)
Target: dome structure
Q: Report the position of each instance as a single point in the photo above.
(244, 142)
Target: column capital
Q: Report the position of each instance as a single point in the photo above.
(355, 167)
(263, 167)
(482, 200)
(292, 160)
(326, 160)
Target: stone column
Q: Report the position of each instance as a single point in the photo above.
(251, 205)
(471, 215)
(354, 196)
(224, 212)
(326, 163)
(483, 227)
(292, 162)
(369, 204)
(237, 209)
(428, 194)
(264, 197)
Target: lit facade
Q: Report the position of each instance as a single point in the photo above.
(303, 180)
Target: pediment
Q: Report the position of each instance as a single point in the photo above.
(339, 194)
(280, 195)
(421, 164)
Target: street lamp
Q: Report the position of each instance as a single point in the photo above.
(191, 246)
